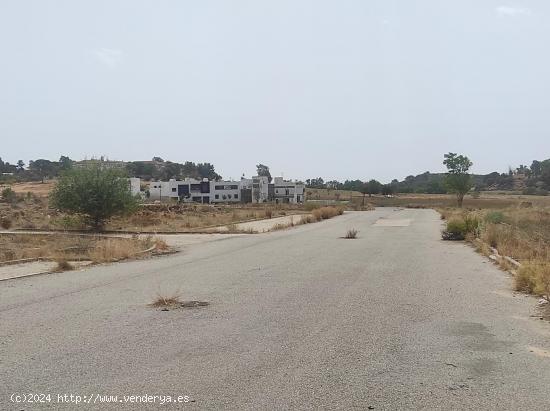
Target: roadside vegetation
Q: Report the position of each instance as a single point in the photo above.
(30, 211)
(67, 248)
(318, 214)
(351, 234)
(94, 194)
(520, 233)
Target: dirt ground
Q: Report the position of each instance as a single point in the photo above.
(31, 212)
(37, 188)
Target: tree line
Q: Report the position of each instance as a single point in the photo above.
(156, 169)
(39, 169)
(534, 179)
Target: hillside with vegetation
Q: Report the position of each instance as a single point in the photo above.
(156, 169)
(529, 180)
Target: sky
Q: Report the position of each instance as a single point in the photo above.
(342, 89)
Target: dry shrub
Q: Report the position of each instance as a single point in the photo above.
(534, 277)
(306, 219)
(5, 223)
(115, 249)
(232, 228)
(268, 213)
(160, 244)
(63, 265)
(324, 213)
(167, 300)
(351, 234)
(281, 226)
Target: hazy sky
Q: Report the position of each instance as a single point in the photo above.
(338, 89)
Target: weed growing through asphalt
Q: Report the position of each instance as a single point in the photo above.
(166, 301)
(351, 234)
(63, 265)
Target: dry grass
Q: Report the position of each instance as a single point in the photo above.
(37, 188)
(351, 234)
(324, 213)
(234, 229)
(196, 217)
(329, 194)
(167, 301)
(485, 201)
(534, 277)
(519, 232)
(113, 249)
(33, 213)
(74, 247)
(318, 214)
(63, 265)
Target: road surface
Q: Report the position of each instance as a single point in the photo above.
(298, 319)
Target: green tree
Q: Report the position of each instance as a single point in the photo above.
(171, 170)
(97, 194)
(20, 165)
(206, 170)
(44, 168)
(65, 163)
(458, 180)
(373, 187)
(263, 170)
(387, 189)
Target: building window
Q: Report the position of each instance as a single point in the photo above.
(195, 187)
(217, 196)
(227, 187)
(235, 196)
(174, 190)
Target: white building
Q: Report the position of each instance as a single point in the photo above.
(135, 186)
(286, 191)
(225, 192)
(260, 189)
(255, 190)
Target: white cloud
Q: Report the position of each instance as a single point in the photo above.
(108, 57)
(513, 11)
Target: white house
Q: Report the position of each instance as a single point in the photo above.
(258, 189)
(286, 191)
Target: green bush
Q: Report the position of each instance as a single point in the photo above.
(472, 224)
(93, 193)
(9, 195)
(457, 226)
(72, 222)
(494, 217)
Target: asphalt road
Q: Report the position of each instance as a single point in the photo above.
(298, 319)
